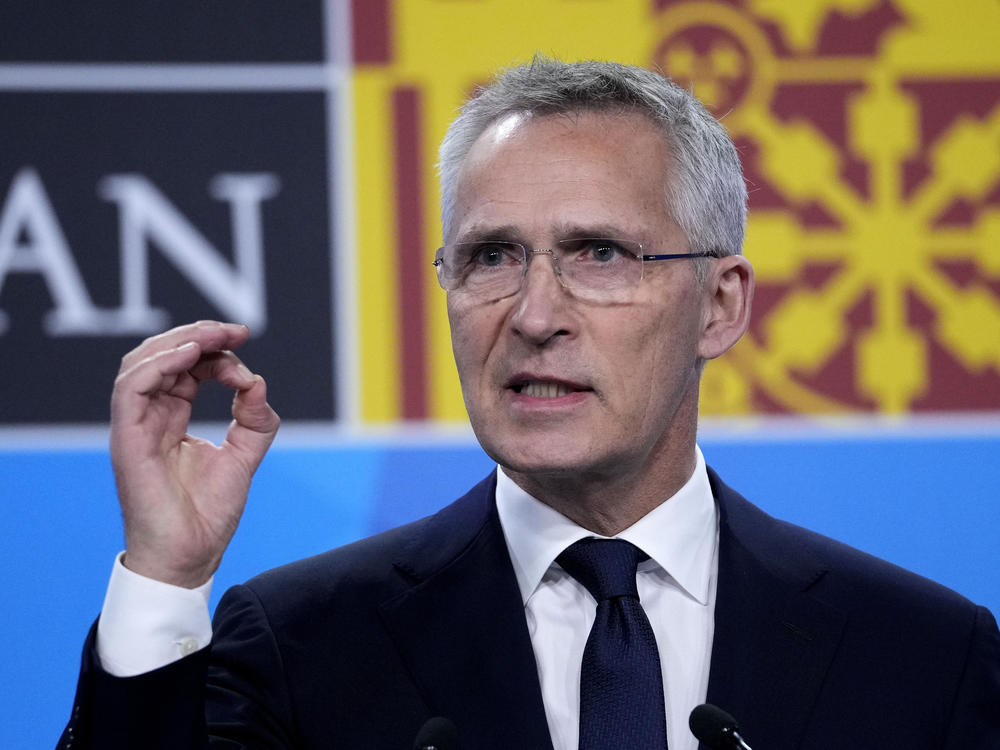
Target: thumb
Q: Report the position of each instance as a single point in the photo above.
(254, 423)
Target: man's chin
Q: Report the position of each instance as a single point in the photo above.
(549, 462)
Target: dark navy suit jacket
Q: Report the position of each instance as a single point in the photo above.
(816, 646)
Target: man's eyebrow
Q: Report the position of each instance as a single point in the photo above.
(601, 230)
(481, 232)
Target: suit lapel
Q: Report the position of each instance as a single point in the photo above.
(773, 641)
(461, 628)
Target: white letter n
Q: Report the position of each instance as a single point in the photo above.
(147, 217)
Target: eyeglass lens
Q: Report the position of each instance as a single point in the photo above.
(594, 265)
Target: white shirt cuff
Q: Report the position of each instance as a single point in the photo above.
(146, 624)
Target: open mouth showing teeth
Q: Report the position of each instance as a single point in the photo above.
(543, 390)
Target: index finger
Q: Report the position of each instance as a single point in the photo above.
(209, 335)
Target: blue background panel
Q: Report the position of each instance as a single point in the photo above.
(931, 504)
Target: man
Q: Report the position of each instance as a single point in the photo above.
(593, 219)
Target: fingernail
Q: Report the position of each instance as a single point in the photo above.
(243, 372)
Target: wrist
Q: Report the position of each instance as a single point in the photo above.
(188, 577)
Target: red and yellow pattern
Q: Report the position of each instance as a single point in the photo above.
(870, 133)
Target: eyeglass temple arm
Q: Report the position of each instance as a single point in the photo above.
(676, 256)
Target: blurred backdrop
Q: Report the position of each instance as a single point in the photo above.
(273, 163)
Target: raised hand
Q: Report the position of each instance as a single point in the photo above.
(181, 496)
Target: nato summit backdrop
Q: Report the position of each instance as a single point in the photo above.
(273, 164)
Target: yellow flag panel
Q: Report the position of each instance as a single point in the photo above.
(870, 136)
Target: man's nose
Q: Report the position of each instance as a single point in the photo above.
(541, 310)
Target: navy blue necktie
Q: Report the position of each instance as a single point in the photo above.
(621, 689)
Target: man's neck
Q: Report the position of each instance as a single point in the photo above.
(606, 503)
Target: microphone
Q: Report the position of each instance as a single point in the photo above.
(715, 728)
(437, 733)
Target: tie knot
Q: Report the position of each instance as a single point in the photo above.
(605, 567)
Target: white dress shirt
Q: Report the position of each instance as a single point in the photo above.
(146, 624)
(677, 587)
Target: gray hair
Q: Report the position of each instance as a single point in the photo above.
(706, 194)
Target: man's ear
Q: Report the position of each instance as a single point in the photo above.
(728, 293)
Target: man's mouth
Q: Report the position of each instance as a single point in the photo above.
(543, 389)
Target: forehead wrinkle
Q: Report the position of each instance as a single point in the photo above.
(563, 230)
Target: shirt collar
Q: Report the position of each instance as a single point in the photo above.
(680, 534)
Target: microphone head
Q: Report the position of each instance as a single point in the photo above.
(714, 727)
(437, 733)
